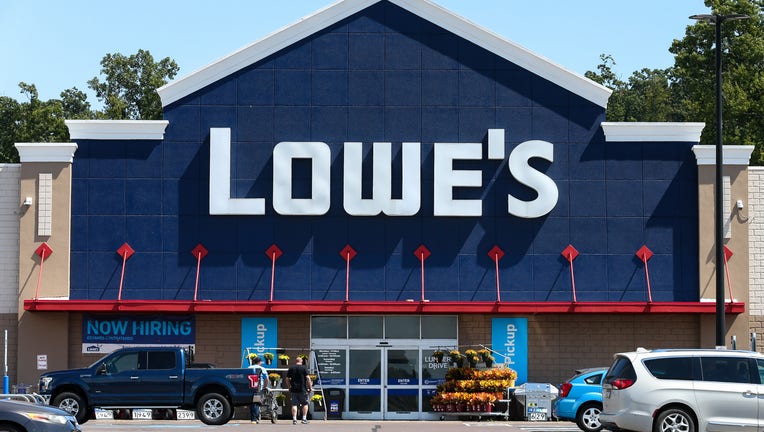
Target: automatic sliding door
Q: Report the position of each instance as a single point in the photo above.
(365, 389)
(402, 379)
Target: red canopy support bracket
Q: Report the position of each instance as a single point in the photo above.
(199, 252)
(644, 253)
(347, 253)
(273, 253)
(43, 251)
(570, 253)
(422, 253)
(727, 255)
(125, 251)
(496, 254)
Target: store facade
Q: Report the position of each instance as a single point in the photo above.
(378, 181)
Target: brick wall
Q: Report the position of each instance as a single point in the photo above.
(10, 175)
(560, 344)
(755, 210)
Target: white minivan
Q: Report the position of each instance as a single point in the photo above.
(684, 390)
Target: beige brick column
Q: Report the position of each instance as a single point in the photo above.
(44, 216)
(736, 237)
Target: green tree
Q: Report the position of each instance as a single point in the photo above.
(31, 121)
(694, 75)
(129, 87)
(646, 96)
(75, 104)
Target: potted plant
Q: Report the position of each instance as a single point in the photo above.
(456, 357)
(472, 357)
(251, 357)
(275, 379)
(280, 399)
(268, 358)
(438, 354)
(283, 359)
(317, 400)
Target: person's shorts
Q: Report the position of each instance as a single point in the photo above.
(299, 398)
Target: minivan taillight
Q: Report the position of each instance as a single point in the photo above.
(565, 389)
(622, 383)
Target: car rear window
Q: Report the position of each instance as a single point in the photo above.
(675, 368)
(594, 379)
(620, 369)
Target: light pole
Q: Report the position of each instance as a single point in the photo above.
(717, 20)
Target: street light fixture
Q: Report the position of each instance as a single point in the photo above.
(717, 21)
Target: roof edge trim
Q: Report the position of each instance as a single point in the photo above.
(46, 152)
(117, 129)
(652, 131)
(732, 154)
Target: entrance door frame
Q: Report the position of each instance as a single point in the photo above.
(423, 348)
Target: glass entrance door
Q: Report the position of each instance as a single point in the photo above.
(384, 383)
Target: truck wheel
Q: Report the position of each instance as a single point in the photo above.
(214, 409)
(73, 404)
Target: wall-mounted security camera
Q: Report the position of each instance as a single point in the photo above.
(28, 201)
(739, 204)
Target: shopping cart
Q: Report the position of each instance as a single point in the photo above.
(268, 408)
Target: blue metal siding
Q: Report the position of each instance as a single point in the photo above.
(384, 75)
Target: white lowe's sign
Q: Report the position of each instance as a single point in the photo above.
(446, 178)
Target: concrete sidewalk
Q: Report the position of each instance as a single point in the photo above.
(336, 426)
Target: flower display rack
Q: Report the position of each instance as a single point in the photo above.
(469, 391)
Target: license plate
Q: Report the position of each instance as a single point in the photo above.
(141, 414)
(185, 415)
(537, 416)
(104, 414)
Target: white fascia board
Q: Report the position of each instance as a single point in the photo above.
(731, 154)
(116, 129)
(652, 131)
(425, 9)
(46, 152)
(260, 49)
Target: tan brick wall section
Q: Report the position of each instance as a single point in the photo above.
(558, 344)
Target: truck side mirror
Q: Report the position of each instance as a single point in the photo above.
(101, 370)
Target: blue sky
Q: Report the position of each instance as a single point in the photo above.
(58, 44)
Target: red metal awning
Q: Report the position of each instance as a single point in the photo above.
(377, 307)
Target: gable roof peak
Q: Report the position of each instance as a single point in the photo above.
(342, 9)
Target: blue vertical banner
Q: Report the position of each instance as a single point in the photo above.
(258, 335)
(509, 338)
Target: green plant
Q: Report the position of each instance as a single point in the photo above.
(317, 398)
(273, 376)
(268, 356)
(251, 356)
(283, 357)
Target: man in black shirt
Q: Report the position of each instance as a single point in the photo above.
(299, 386)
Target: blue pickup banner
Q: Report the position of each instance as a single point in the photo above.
(259, 335)
(509, 340)
(104, 333)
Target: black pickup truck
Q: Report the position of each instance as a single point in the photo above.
(149, 377)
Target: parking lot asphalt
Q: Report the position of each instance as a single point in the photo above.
(332, 425)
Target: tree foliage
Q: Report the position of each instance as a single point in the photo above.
(31, 121)
(686, 91)
(128, 90)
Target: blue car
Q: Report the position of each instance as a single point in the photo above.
(580, 399)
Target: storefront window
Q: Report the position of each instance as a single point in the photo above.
(332, 327)
(439, 327)
(402, 327)
(365, 327)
